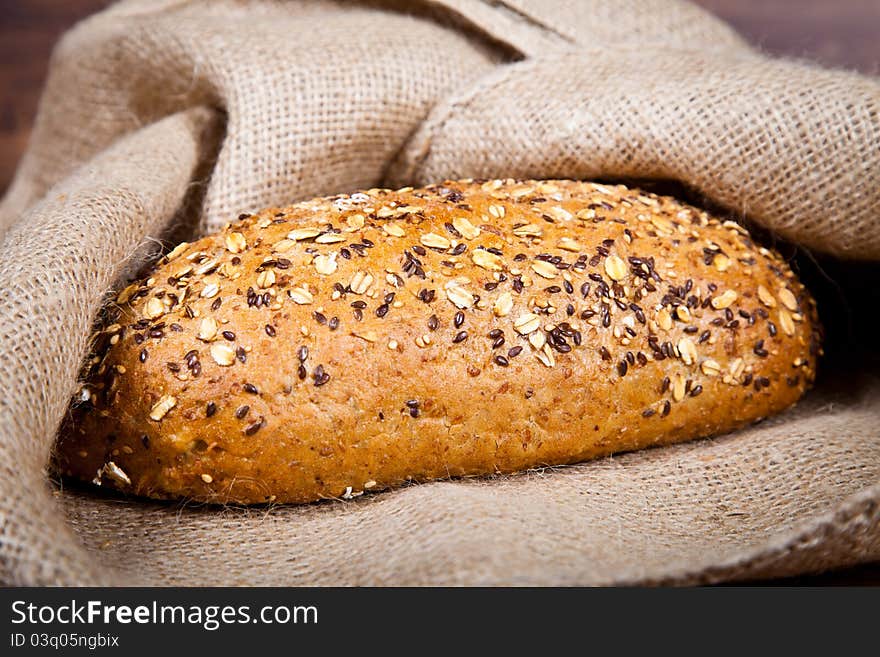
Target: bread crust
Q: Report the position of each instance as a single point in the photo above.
(357, 342)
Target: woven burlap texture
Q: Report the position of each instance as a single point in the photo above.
(167, 118)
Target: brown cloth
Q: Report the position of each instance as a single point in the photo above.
(165, 118)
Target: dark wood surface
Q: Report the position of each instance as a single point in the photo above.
(843, 33)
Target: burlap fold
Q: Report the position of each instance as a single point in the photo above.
(165, 119)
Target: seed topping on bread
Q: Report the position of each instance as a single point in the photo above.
(613, 279)
(560, 273)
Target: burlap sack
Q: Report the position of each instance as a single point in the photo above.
(166, 118)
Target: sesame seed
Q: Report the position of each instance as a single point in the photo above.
(208, 329)
(466, 228)
(325, 264)
(266, 279)
(710, 367)
(724, 300)
(528, 230)
(569, 244)
(615, 267)
(161, 407)
(503, 304)
(497, 211)
(458, 296)
(154, 308)
(687, 350)
(544, 269)
(300, 296)
(546, 356)
(664, 320)
(788, 299)
(721, 262)
(765, 297)
(235, 242)
(282, 246)
(303, 234)
(678, 387)
(559, 213)
(487, 260)
(360, 282)
(537, 339)
(115, 473)
(210, 290)
(435, 241)
(222, 354)
(394, 230)
(786, 322)
(662, 224)
(527, 323)
(368, 336)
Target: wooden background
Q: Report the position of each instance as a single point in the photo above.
(842, 33)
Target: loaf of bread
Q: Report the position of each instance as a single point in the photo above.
(354, 343)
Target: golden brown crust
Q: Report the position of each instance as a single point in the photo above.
(357, 342)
